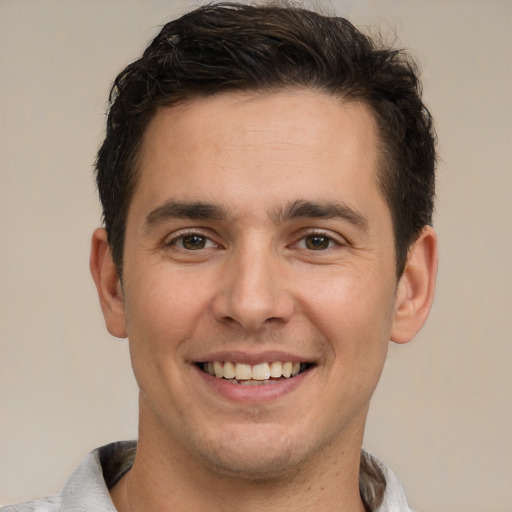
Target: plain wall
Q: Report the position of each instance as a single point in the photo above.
(442, 415)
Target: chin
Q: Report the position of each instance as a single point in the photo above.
(260, 456)
(261, 468)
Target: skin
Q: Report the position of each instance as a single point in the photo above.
(252, 279)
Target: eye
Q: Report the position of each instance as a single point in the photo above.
(316, 242)
(193, 242)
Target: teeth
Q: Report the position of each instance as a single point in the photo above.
(252, 374)
(243, 371)
(261, 371)
(229, 370)
(287, 369)
(276, 369)
(253, 382)
(217, 368)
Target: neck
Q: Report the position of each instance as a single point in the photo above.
(169, 477)
(169, 485)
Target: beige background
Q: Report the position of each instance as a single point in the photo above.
(442, 416)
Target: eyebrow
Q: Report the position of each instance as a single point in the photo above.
(196, 210)
(320, 210)
(299, 209)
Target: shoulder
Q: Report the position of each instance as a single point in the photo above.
(380, 488)
(88, 487)
(49, 504)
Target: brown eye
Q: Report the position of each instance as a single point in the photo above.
(317, 242)
(193, 242)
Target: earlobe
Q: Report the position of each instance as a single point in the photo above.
(416, 287)
(108, 284)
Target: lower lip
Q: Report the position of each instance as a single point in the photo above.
(252, 394)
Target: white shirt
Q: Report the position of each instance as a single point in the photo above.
(88, 487)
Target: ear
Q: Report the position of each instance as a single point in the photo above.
(108, 284)
(416, 287)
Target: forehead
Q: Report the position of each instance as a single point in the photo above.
(234, 147)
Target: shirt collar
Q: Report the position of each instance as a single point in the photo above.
(88, 487)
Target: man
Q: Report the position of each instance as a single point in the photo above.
(267, 182)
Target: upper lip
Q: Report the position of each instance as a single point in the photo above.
(237, 356)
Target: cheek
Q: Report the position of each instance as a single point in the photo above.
(163, 311)
(163, 300)
(354, 315)
(159, 321)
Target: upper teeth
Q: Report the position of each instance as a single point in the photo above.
(262, 371)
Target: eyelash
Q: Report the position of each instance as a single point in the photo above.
(189, 234)
(322, 237)
(332, 241)
(178, 241)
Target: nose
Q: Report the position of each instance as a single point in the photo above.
(254, 291)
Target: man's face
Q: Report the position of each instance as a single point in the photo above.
(258, 236)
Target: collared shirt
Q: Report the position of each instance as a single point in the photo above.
(88, 487)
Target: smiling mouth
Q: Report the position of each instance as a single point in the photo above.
(254, 374)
